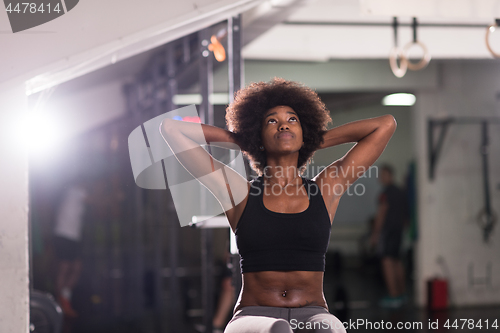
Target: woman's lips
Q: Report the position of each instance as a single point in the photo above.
(285, 135)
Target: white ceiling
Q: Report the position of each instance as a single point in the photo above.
(287, 41)
(99, 33)
(274, 40)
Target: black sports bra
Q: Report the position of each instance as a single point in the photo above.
(271, 241)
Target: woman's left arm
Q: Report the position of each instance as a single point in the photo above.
(371, 137)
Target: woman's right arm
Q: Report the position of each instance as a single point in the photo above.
(185, 138)
(182, 133)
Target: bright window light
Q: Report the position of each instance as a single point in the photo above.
(219, 99)
(399, 99)
(188, 99)
(39, 133)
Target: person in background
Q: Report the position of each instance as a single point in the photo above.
(387, 235)
(67, 243)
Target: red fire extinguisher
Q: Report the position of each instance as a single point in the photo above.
(437, 294)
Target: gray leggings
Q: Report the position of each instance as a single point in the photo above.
(268, 319)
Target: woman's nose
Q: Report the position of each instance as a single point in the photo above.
(283, 127)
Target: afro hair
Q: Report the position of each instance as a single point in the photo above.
(244, 117)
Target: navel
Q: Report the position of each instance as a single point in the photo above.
(284, 294)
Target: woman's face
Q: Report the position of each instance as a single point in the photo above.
(281, 130)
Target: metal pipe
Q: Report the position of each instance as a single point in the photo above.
(174, 314)
(235, 71)
(384, 24)
(207, 116)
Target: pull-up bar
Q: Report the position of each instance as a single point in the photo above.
(388, 24)
(400, 71)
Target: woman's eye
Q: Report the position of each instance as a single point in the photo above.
(271, 120)
(293, 118)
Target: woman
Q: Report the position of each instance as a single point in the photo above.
(281, 221)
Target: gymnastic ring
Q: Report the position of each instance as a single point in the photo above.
(491, 28)
(423, 62)
(399, 71)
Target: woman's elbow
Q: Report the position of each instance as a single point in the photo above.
(389, 122)
(167, 126)
(392, 121)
